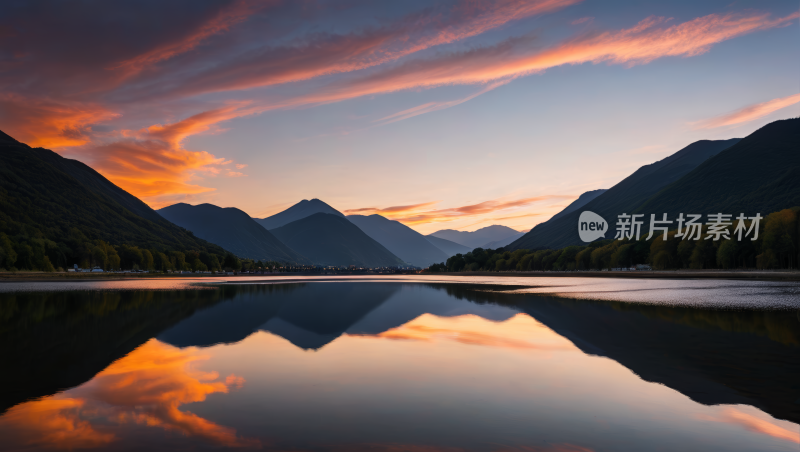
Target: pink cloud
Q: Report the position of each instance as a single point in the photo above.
(749, 113)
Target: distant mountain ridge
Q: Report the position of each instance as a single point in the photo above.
(448, 247)
(233, 230)
(624, 197)
(501, 243)
(302, 209)
(476, 238)
(329, 239)
(404, 242)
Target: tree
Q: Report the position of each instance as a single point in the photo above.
(231, 262)
(8, 257)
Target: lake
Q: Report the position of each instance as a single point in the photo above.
(420, 364)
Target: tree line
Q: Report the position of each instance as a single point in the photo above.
(31, 250)
(777, 247)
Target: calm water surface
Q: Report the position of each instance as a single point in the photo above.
(401, 364)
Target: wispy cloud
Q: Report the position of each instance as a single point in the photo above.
(749, 113)
(762, 424)
(418, 213)
(152, 163)
(51, 124)
(220, 23)
(211, 52)
(394, 210)
(434, 106)
(323, 54)
(582, 20)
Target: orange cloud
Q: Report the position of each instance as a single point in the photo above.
(49, 124)
(764, 424)
(640, 44)
(153, 165)
(147, 387)
(414, 216)
(463, 336)
(340, 54)
(390, 210)
(516, 216)
(749, 113)
(54, 421)
(514, 333)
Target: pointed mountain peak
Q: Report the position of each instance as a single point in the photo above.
(302, 209)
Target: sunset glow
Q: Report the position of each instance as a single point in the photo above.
(178, 115)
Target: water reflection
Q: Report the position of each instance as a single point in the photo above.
(147, 387)
(389, 366)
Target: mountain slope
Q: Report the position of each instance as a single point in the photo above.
(760, 174)
(449, 248)
(477, 238)
(624, 197)
(501, 243)
(582, 200)
(302, 209)
(38, 191)
(329, 239)
(233, 230)
(92, 180)
(402, 241)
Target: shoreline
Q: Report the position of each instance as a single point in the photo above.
(753, 275)
(748, 275)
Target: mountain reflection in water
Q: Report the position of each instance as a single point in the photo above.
(390, 366)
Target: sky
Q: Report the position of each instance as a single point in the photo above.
(441, 115)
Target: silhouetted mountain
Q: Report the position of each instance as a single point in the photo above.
(759, 174)
(477, 238)
(302, 209)
(712, 356)
(311, 315)
(582, 200)
(624, 197)
(406, 243)
(58, 340)
(40, 190)
(233, 230)
(501, 243)
(448, 247)
(328, 239)
(307, 315)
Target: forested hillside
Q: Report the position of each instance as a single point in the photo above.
(56, 212)
(775, 247)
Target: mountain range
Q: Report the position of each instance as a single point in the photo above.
(329, 239)
(302, 209)
(44, 193)
(233, 230)
(624, 197)
(475, 239)
(759, 174)
(406, 243)
(448, 247)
